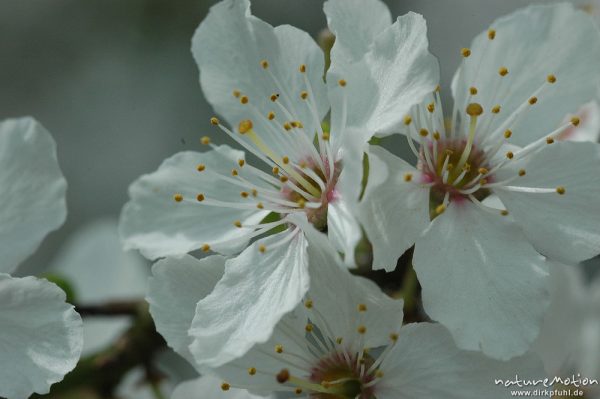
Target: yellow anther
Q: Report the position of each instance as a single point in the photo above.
(503, 71)
(252, 371)
(301, 203)
(431, 107)
(254, 192)
(303, 95)
(214, 120)
(491, 34)
(465, 52)
(561, 190)
(283, 179)
(448, 151)
(271, 115)
(522, 172)
(244, 194)
(299, 124)
(436, 135)
(245, 126)
(237, 224)
(575, 121)
(473, 90)
(205, 140)
(507, 134)
(234, 172)
(275, 170)
(279, 348)
(225, 386)
(551, 78)
(467, 166)
(325, 136)
(449, 166)
(483, 182)
(260, 205)
(440, 209)
(205, 248)
(285, 160)
(283, 376)
(362, 307)
(510, 155)
(342, 82)
(408, 177)
(533, 100)
(549, 140)
(298, 391)
(262, 249)
(178, 197)
(274, 97)
(496, 109)
(361, 329)
(394, 337)
(407, 120)
(264, 64)
(294, 123)
(302, 68)
(201, 167)
(504, 212)
(474, 109)
(423, 132)
(308, 327)
(200, 197)
(379, 374)
(303, 164)
(437, 89)
(339, 340)
(236, 93)
(287, 126)
(241, 162)
(244, 99)
(308, 304)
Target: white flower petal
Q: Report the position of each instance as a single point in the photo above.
(153, 222)
(393, 213)
(395, 74)
(230, 45)
(425, 363)
(355, 24)
(589, 126)
(93, 248)
(33, 189)
(256, 290)
(564, 227)
(558, 339)
(209, 387)
(532, 43)
(482, 280)
(343, 229)
(41, 336)
(173, 292)
(337, 295)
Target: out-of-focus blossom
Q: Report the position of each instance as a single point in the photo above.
(40, 334)
(98, 270)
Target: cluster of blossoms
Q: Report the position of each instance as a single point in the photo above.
(499, 189)
(500, 200)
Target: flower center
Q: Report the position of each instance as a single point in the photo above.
(446, 175)
(344, 378)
